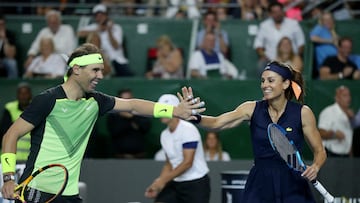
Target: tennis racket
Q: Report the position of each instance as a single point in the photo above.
(291, 155)
(52, 178)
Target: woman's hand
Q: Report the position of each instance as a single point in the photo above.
(189, 106)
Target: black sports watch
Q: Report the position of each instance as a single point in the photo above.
(8, 177)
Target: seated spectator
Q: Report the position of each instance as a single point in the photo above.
(272, 30)
(213, 148)
(339, 66)
(169, 62)
(206, 62)
(94, 38)
(111, 36)
(48, 64)
(212, 24)
(325, 38)
(285, 54)
(8, 64)
(128, 131)
(62, 35)
(335, 124)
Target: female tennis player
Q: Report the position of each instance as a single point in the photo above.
(61, 120)
(270, 179)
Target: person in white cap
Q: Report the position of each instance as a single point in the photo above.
(184, 175)
(111, 37)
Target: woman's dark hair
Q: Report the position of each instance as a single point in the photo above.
(296, 77)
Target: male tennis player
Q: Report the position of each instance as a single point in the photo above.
(61, 120)
(184, 176)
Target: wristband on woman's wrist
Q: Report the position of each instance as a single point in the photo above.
(198, 119)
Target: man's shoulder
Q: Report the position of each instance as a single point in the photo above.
(290, 21)
(66, 27)
(196, 53)
(328, 109)
(331, 59)
(266, 22)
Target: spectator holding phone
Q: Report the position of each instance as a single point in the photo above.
(212, 24)
(111, 36)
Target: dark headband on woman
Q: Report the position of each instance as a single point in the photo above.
(287, 75)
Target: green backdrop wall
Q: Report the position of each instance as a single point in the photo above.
(220, 96)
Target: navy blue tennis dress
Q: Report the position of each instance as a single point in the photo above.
(270, 179)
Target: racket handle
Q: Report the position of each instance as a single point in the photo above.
(329, 198)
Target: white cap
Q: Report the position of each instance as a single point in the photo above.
(169, 99)
(99, 8)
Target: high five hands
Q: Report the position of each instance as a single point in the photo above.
(189, 106)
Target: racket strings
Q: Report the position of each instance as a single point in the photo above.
(32, 195)
(285, 148)
(46, 185)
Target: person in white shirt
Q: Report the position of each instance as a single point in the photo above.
(272, 30)
(184, 175)
(48, 64)
(160, 155)
(111, 37)
(213, 148)
(206, 62)
(63, 36)
(211, 23)
(335, 124)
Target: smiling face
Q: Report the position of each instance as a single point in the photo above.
(273, 85)
(89, 76)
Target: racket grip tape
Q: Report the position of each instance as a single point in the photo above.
(329, 198)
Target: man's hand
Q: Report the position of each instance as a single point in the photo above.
(189, 106)
(154, 189)
(7, 190)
